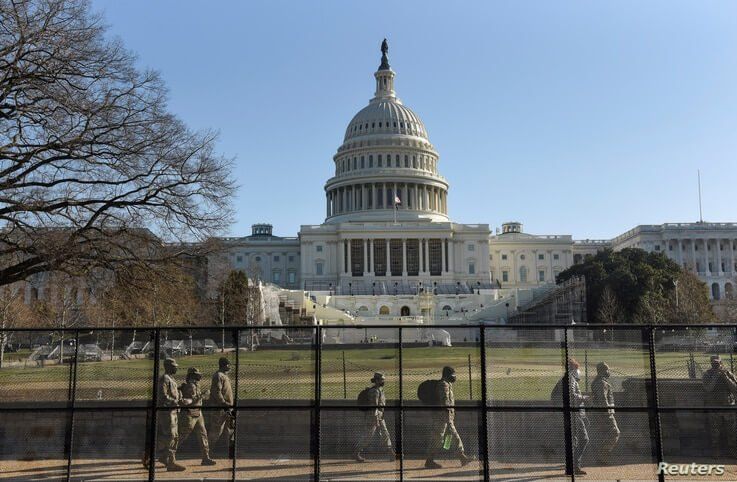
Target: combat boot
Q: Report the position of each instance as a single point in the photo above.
(465, 459)
(208, 461)
(175, 467)
(358, 457)
(431, 464)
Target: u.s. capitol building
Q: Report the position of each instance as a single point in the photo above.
(387, 229)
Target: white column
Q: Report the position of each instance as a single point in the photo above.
(550, 261)
(706, 256)
(451, 254)
(513, 278)
(421, 255)
(444, 254)
(373, 195)
(693, 256)
(365, 257)
(404, 257)
(731, 256)
(719, 256)
(350, 265)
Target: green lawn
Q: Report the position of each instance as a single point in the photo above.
(513, 373)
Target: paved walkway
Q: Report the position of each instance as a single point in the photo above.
(331, 469)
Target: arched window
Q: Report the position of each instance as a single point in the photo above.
(729, 291)
(404, 311)
(523, 274)
(363, 309)
(715, 291)
(447, 308)
(384, 310)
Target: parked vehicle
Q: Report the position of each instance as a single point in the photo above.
(90, 352)
(206, 346)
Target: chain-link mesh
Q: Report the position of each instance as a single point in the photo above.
(274, 444)
(277, 364)
(524, 365)
(358, 444)
(81, 400)
(537, 454)
(32, 444)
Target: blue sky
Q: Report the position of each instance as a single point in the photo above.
(583, 118)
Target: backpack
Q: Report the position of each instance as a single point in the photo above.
(364, 400)
(427, 392)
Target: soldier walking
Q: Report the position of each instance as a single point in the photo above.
(168, 430)
(192, 419)
(720, 386)
(443, 423)
(579, 433)
(374, 419)
(221, 395)
(603, 423)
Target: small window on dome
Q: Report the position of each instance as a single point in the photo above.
(373, 125)
(396, 160)
(379, 160)
(371, 161)
(379, 125)
(406, 160)
(395, 124)
(362, 162)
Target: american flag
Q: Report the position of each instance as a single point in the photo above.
(397, 201)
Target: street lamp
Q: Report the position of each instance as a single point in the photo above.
(675, 285)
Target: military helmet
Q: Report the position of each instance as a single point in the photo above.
(170, 362)
(716, 359)
(193, 372)
(448, 371)
(223, 361)
(378, 377)
(602, 367)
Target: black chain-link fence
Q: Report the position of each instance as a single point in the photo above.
(305, 403)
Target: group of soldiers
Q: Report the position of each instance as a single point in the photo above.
(185, 416)
(600, 422)
(720, 388)
(442, 435)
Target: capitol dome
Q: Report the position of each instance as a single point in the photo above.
(386, 168)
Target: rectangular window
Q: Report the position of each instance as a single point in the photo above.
(291, 259)
(555, 256)
(371, 161)
(318, 248)
(435, 253)
(505, 276)
(413, 257)
(406, 160)
(541, 256)
(471, 247)
(380, 257)
(504, 257)
(276, 276)
(379, 161)
(239, 259)
(541, 275)
(356, 257)
(318, 269)
(395, 257)
(276, 258)
(292, 277)
(471, 268)
(657, 247)
(362, 162)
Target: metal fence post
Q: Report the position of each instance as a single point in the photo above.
(236, 344)
(72, 399)
(656, 403)
(154, 404)
(484, 407)
(567, 411)
(400, 416)
(470, 380)
(318, 395)
(345, 385)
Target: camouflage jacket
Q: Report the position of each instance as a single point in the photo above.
(446, 398)
(169, 395)
(720, 387)
(191, 391)
(602, 394)
(376, 398)
(221, 393)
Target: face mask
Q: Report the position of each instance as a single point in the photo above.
(452, 379)
(381, 384)
(226, 368)
(606, 374)
(576, 374)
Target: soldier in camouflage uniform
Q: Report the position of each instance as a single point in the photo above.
(374, 419)
(603, 424)
(443, 423)
(168, 430)
(579, 432)
(221, 395)
(191, 418)
(720, 386)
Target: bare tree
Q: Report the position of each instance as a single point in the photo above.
(13, 313)
(89, 154)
